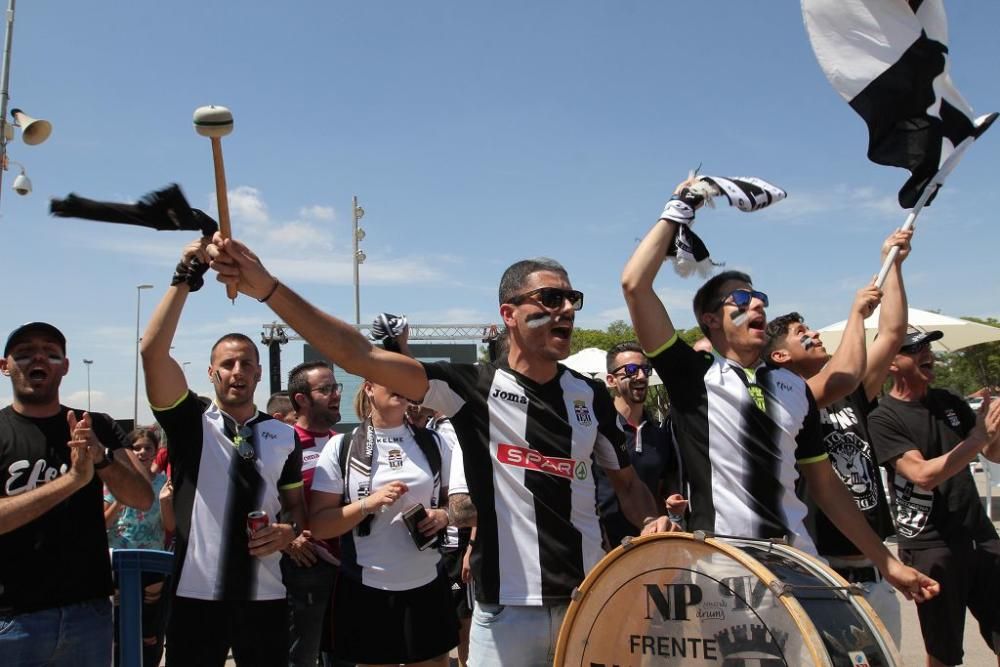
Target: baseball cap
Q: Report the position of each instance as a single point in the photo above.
(34, 327)
(914, 339)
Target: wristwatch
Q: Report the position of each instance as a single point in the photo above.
(109, 458)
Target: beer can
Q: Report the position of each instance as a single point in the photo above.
(256, 520)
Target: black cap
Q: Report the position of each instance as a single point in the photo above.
(34, 327)
(916, 338)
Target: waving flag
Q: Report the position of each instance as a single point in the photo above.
(889, 60)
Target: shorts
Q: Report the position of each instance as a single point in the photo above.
(392, 627)
(970, 578)
(451, 565)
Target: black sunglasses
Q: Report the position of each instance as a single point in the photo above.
(551, 297)
(632, 369)
(741, 298)
(243, 445)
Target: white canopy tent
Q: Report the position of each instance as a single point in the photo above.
(958, 333)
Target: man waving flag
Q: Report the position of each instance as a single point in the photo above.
(889, 60)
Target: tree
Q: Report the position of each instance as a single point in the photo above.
(973, 368)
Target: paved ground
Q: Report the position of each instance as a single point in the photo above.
(912, 647)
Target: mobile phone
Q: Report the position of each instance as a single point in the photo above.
(411, 518)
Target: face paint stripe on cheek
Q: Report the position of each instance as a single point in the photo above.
(538, 320)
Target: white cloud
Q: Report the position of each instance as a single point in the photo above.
(245, 205)
(298, 235)
(836, 199)
(318, 212)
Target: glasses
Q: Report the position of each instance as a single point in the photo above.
(741, 298)
(632, 369)
(328, 389)
(551, 297)
(241, 441)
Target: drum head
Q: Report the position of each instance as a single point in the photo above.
(671, 599)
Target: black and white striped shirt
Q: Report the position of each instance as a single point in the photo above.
(215, 488)
(529, 449)
(741, 433)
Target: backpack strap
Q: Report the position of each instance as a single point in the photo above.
(430, 444)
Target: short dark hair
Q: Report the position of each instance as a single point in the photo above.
(236, 338)
(513, 279)
(777, 331)
(708, 294)
(627, 346)
(150, 433)
(297, 382)
(280, 402)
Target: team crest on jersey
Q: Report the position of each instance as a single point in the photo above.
(953, 419)
(523, 457)
(582, 413)
(395, 459)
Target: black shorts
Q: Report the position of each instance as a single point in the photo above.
(201, 632)
(451, 565)
(969, 578)
(392, 627)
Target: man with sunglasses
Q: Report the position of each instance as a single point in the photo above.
(309, 567)
(926, 437)
(745, 429)
(530, 430)
(227, 459)
(649, 444)
(845, 387)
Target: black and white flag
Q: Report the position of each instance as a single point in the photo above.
(889, 60)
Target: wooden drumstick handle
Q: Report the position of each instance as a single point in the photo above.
(222, 198)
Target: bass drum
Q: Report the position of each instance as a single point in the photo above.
(683, 599)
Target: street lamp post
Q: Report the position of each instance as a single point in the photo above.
(87, 363)
(135, 403)
(359, 258)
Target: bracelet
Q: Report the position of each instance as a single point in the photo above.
(271, 293)
(364, 507)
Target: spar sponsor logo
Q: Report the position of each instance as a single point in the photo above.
(522, 457)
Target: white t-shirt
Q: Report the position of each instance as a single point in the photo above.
(386, 558)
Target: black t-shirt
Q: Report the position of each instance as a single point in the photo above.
(951, 514)
(651, 452)
(61, 557)
(845, 434)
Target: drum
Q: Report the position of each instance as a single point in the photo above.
(685, 599)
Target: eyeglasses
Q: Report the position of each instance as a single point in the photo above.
(632, 369)
(741, 298)
(551, 297)
(243, 445)
(328, 389)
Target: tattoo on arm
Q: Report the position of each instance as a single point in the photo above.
(461, 511)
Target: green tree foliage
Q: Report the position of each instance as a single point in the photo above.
(971, 369)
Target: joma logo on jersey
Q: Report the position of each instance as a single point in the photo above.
(582, 413)
(510, 396)
(522, 457)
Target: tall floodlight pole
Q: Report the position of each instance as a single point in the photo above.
(87, 363)
(359, 257)
(135, 403)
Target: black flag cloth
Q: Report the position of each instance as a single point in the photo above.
(889, 60)
(164, 209)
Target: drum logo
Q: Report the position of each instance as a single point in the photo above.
(582, 413)
(745, 645)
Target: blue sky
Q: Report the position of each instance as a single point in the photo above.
(475, 134)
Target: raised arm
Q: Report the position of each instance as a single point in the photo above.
(165, 381)
(844, 371)
(652, 324)
(892, 318)
(337, 340)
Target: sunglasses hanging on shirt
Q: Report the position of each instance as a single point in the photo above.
(243, 444)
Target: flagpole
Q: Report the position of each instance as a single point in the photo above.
(935, 183)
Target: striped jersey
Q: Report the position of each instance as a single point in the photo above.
(529, 451)
(214, 490)
(741, 433)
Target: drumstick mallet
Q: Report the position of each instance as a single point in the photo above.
(215, 122)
